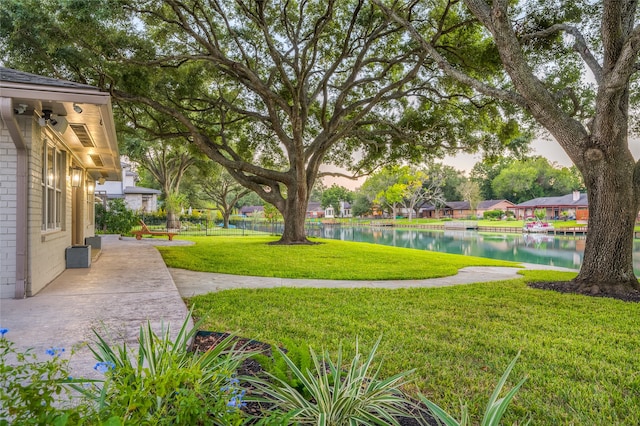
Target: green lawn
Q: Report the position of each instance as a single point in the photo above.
(580, 353)
(329, 260)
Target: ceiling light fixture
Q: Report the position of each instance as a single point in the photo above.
(77, 108)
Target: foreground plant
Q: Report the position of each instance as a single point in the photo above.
(340, 394)
(164, 383)
(496, 407)
(32, 389)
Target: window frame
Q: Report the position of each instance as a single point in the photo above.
(53, 186)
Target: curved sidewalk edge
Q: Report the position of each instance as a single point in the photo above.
(192, 283)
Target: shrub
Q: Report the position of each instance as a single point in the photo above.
(493, 214)
(32, 391)
(339, 394)
(165, 383)
(277, 365)
(116, 218)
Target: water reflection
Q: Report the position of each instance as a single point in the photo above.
(530, 248)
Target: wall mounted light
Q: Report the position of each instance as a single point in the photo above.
(76, 177)
(91, 187)
(46, 116)
(77, 108)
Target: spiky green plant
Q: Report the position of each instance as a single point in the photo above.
(340, 393)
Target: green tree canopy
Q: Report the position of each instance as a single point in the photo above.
(294, 84)
(534, 177)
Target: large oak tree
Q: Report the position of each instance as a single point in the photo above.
(548, 50)
(286, 80)
(294, 83)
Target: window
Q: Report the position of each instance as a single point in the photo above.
(145, 202)
(52, 182)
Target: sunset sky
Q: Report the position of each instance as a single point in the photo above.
(547, 148)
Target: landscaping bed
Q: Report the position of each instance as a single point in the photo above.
(205, 340)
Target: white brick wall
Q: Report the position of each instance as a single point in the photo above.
(8, 192)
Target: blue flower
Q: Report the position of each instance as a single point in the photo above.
(236, 402)
(103, 367)
(3, 331)
(54, 351)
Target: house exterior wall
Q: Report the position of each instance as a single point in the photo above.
(111, 187)
(141, 202)
(460, 213)
(8, 205)
(128, 178)
(502, 205)
(46, 248)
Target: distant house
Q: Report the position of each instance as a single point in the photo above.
(345, 211)
(250, 211)
(135, 197)
(57, 138)
(462, 209)
(315, 210)
(575, 205)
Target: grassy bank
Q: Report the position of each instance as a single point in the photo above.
(330, 260)
(579, 353)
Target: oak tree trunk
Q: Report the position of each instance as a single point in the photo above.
(295, 213)
(607, 267)
(225, 218)
(173, 220)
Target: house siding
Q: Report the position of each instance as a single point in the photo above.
(47, 247)
(8, 205)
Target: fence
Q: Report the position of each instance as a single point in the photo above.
(205, 227)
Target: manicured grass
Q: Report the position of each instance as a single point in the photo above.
(329, 260)
(580, 353)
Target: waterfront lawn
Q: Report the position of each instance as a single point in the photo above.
(580, 353)
(332, 259)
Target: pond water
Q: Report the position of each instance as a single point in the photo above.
(530, 248)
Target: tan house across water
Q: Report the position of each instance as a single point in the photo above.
(571, 206)
(57, 138)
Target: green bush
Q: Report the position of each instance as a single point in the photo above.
(493, 214)
(116, 218)
(165, 384)
(32, 390)
(277, 365)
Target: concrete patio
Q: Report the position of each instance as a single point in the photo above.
(124, 288)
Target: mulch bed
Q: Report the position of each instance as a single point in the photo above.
(570, 287)
(205, 340)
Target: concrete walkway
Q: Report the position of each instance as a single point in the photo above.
(127, 285)
(191, 283)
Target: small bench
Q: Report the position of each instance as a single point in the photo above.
(146, 231)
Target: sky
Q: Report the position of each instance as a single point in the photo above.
(546, 147)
